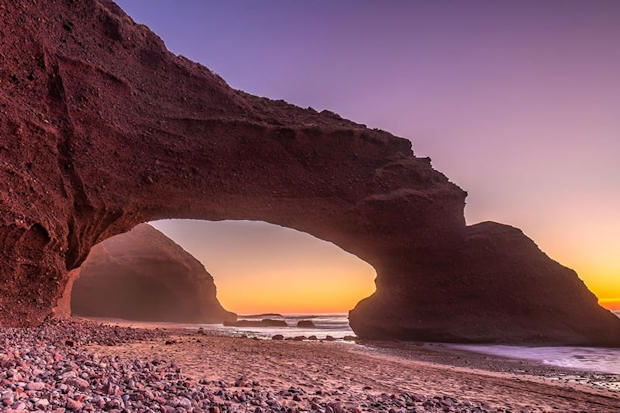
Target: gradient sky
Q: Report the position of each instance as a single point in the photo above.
(260, 267)
(517, 102)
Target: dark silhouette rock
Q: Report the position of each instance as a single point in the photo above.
(144, 275)
(305, 324)
(278, 337)
(256, 323)
(527, 297)
(102, 129)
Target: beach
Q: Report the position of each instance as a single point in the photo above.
(249, 373)
(82, 365)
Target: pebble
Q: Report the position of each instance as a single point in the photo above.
(45, 369)
(36, 386)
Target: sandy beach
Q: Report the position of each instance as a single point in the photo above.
(247, 374)
(87, 366)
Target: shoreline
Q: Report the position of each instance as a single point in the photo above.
(458, 355)
(450, 355)
(85, 366)
(440, 376)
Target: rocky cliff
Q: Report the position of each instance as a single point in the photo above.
(101, 128)
(528, 297)
(144, 275)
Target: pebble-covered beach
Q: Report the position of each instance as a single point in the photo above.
(85, 366)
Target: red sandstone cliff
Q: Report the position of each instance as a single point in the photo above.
(144, 275)
(101, 128)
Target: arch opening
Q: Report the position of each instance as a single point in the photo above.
(161, 271)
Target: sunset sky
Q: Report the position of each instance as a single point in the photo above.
(259, 267)
(517, 102)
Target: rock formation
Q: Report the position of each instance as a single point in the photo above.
(102, 129)
(528, 297)
(144, 275)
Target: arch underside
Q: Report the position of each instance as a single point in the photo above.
(103, 128)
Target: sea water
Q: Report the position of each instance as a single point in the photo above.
(335, 325)
(595, 359)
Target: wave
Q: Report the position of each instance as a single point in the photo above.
(595, 359)
(262, 315)
(335, 325)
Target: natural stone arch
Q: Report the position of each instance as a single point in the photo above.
(102, 128)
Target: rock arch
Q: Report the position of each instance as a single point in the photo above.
(102, 129)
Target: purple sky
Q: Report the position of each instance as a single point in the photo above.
(518, 102)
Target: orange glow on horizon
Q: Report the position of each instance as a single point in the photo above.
(301, 290)
(610, 303)
(300, 297)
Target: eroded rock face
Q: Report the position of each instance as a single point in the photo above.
(144, 275)
(495, 286)
(102, 129)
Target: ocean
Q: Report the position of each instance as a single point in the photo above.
(335, 325)
(595, 359)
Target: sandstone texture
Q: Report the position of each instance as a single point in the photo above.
(143, 275)
(101, 129)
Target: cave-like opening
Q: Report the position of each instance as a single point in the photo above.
(162, 272)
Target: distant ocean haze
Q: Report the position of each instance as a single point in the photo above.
(335, 325)
(605, 360)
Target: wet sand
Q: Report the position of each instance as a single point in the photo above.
(336, 376)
